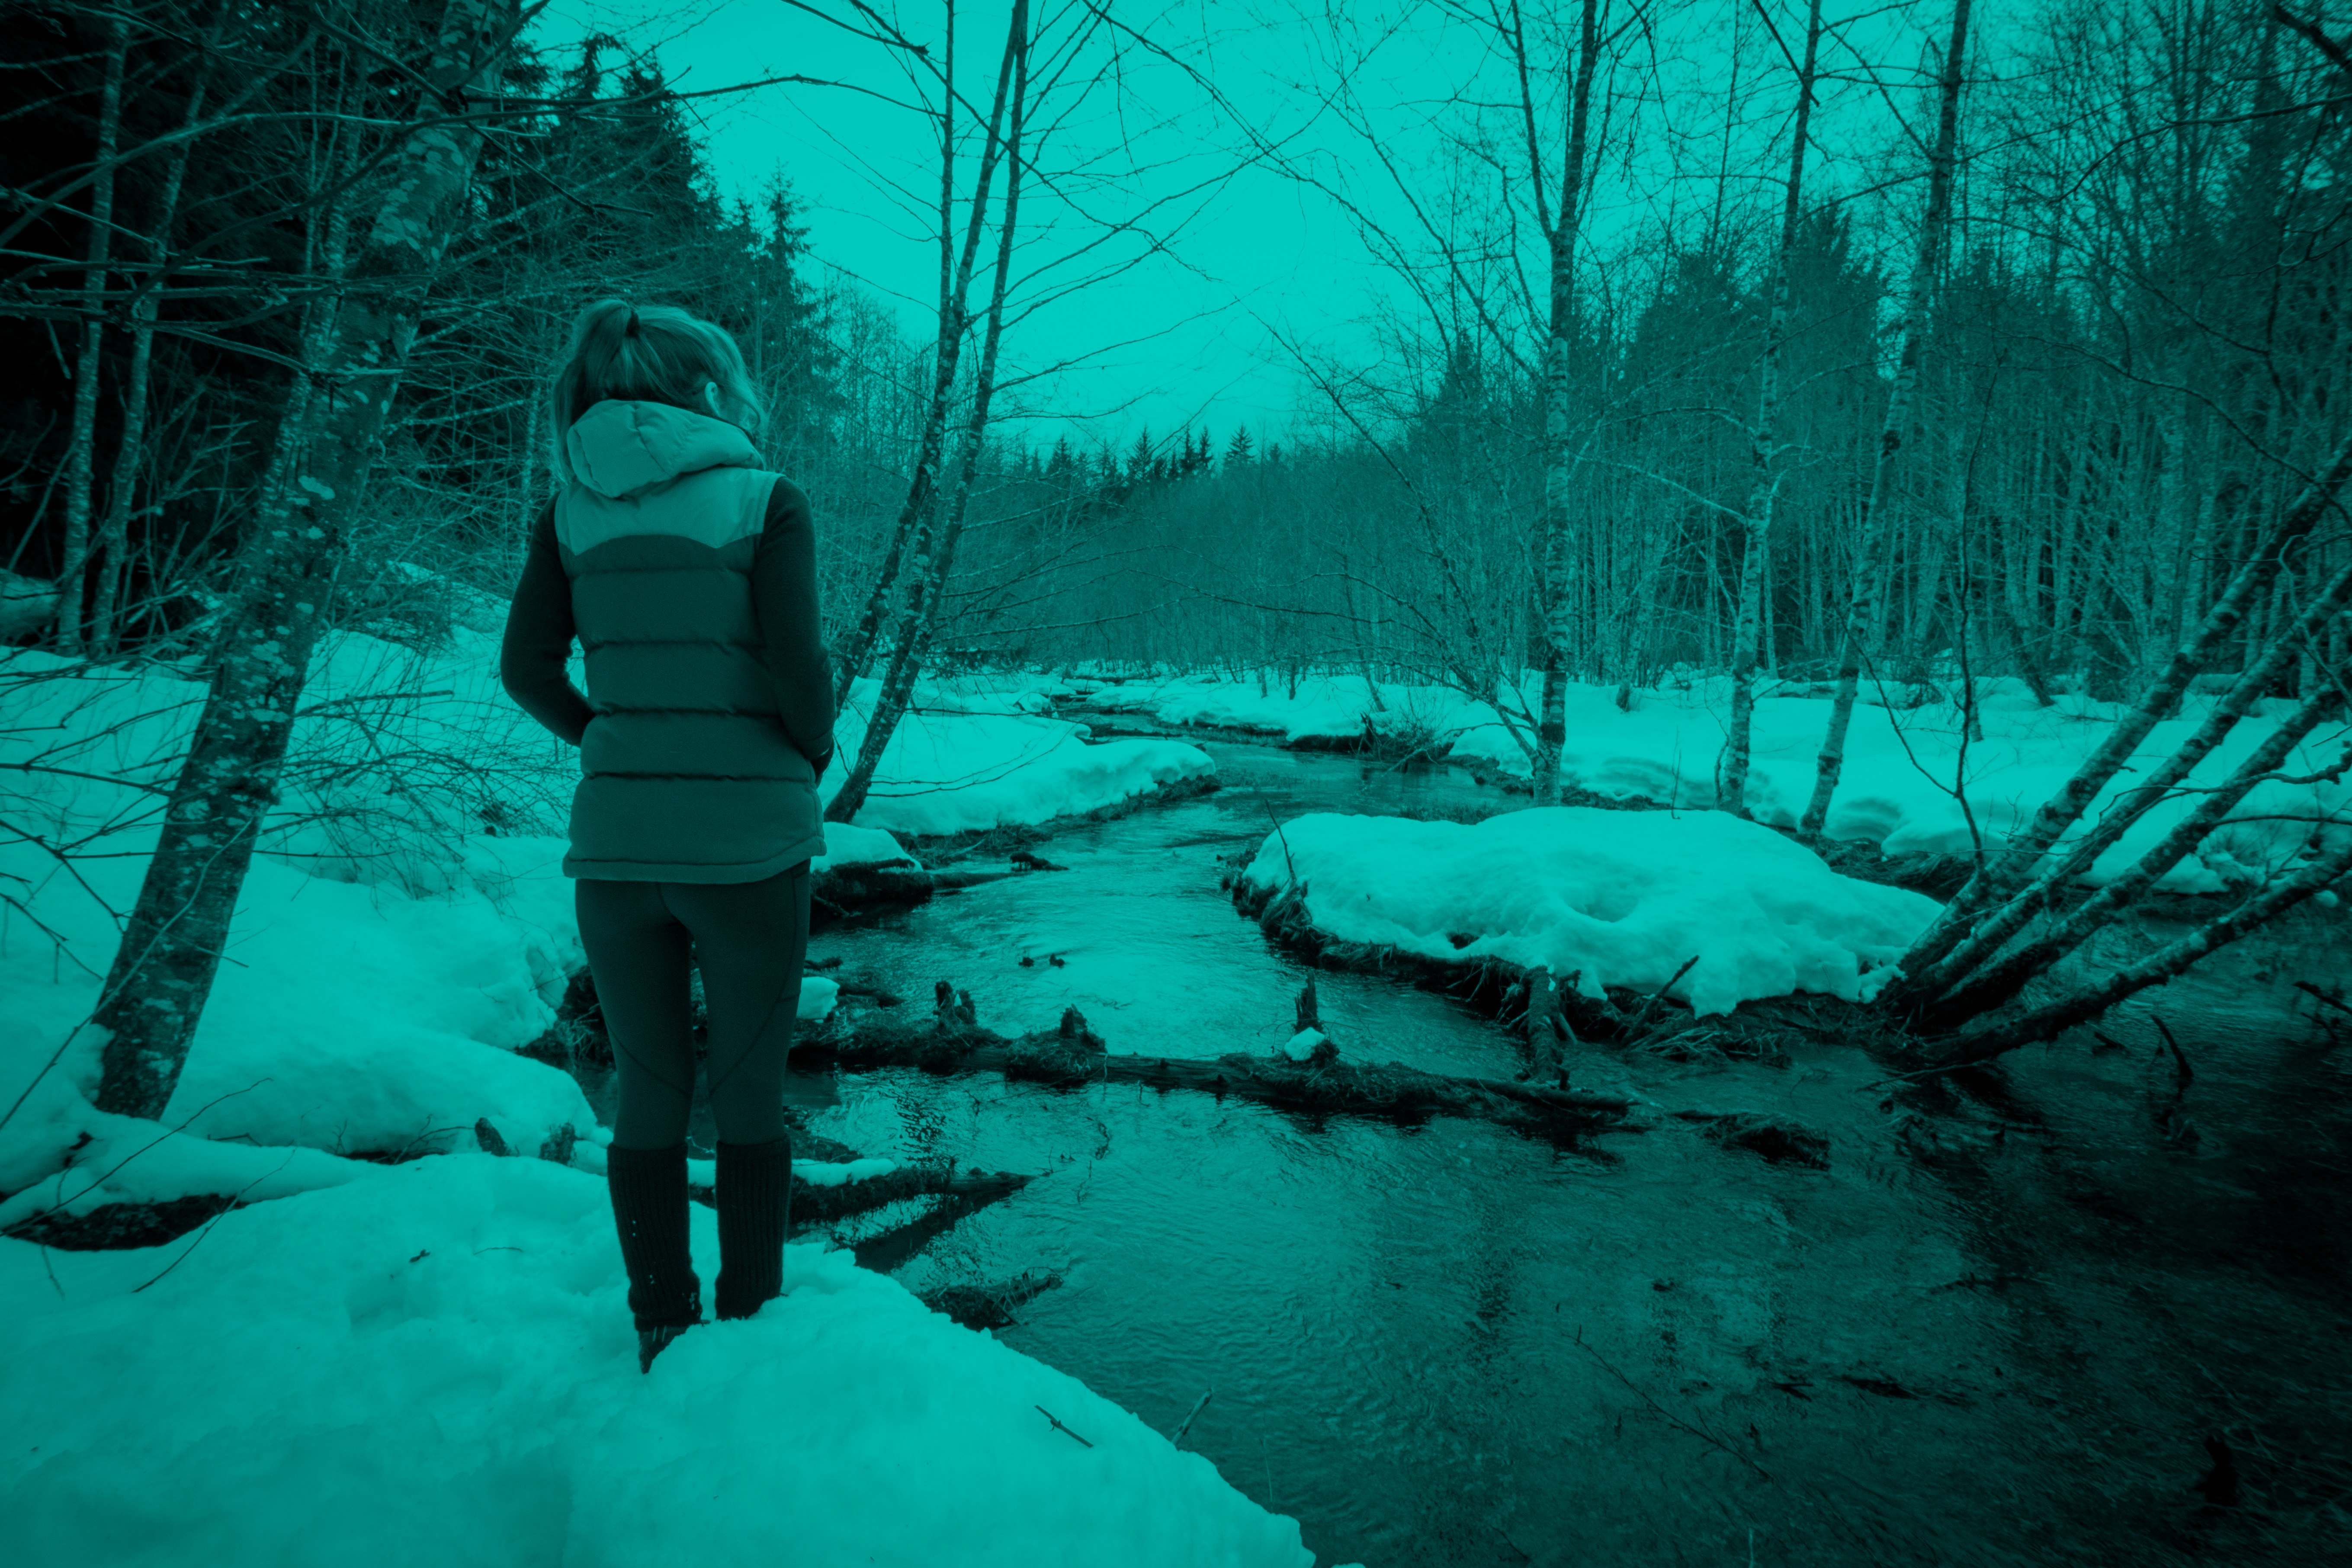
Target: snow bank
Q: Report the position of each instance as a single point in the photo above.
(847, 844)
(955, 763)
(1902, 765)
(1624, 898)
(432, 1364)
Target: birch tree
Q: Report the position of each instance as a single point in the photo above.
(1865, 608)
(936, 550)
(1560, 548)
(171, 947)
(1765, 452)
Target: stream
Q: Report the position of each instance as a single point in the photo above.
(2002, 1327)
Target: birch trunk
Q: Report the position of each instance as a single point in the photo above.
(2091, 999)
(1555, 579)
(81, 449)
(164, 971)
(921, 616)
(1763, 446)
(2017, 863)
(1864, 609)
(1996, 982)
(955, 292)
(1991, 933)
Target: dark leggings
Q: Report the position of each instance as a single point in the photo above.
(748, 939)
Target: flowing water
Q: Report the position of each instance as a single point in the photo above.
(2002, 1333)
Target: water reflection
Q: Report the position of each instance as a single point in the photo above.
(2005, 1340)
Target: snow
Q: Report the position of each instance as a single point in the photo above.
(817, 997)
(1901, 765)
(432, 1361)
(1623, 897)
(432, 1364)
(970, 754)
(816, 1173)
(846, 844)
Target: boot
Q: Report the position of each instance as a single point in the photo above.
(755, 1200)
(648, 1188)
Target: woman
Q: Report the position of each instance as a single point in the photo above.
(689, 576)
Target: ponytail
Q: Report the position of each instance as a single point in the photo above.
(656, 354)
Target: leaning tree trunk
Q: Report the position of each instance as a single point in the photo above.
(1557, 584)
(1954, 970)
(2094, 997)
(171, 947)
(1865, 608)
(1936, 962)
(924, 602)
(1996, 983)
(856, 650)
(1731, 786)
(80, 448)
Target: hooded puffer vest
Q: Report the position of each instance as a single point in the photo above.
(686, 773)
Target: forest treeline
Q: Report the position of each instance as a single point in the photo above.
(2135, 350)
(2036, 368)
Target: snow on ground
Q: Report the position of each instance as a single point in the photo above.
(974, 754)
(1622, 897)
(1901, 768)
(432, 1364)
(432, 1361)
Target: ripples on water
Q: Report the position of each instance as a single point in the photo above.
(1454, 1344)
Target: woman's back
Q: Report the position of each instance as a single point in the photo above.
(691, 584)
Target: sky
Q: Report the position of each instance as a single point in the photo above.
(1172, 280)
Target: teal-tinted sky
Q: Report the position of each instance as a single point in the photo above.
(1225, 273)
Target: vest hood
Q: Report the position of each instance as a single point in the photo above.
(618, 447)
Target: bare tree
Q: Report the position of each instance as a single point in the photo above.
(171, 946)
(1863, 610)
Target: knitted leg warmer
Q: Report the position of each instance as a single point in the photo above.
(650, 1210)
(755, 1200)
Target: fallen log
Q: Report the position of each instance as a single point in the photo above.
(1073, 1054)
(987, 1306)
(813, 1204)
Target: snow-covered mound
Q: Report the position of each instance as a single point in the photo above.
(953, 765)
(1624, 898)
(432, 1364)
(847, 844)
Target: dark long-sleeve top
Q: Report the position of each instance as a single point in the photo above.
(540, 630)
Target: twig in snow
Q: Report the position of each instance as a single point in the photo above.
(1178, 1440)
(1699, 1432)
(215, 1220)
(1057, 1425)
(1634, 1030)
(1279, 833)
(2314, 992)
(2183, 1076)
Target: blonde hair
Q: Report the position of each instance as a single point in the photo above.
(647, 353)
